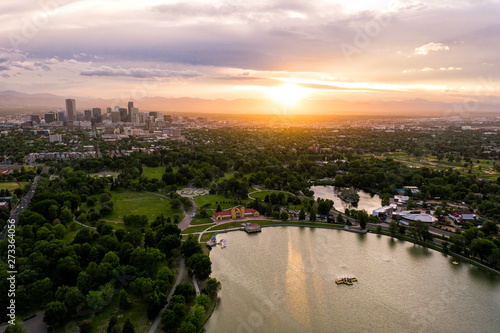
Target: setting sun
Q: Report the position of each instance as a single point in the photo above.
(288, 94)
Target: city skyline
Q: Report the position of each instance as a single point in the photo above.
(279, 52)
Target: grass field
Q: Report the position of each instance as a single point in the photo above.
(198, 220)
(483, 169)
(211, 200)
(12, 185)
(140, 203)
(156, 172)
(198, 228)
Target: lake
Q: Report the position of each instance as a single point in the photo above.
(283, 280)
(366, 200)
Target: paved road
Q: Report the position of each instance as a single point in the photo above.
(433, 231)
(179, 279)
(23, 204)
(186, 221)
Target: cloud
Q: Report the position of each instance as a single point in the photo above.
(450, 68)
(3, 60)
(425, 49)
(4, 68)
(141, 72)
(427, 69)
(238, 78)
(26, 67)
(5, 75)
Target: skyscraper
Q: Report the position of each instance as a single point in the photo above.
(70, 110)
(130, 106)
(134, 115)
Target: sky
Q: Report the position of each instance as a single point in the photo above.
(282, 50)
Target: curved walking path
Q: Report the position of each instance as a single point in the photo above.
(170, 294)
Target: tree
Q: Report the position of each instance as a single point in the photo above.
(66, 216)
(72, 297)
(17, 328)
(362, 219)
(302, 214)
(196, 316)
(212, 288)
(185, 289)
(483, 248)
(340, 219)
(155, 303)
(458, 243)
(85, 326)
(284, 215)
(324, 207)
(312, 215)
(112, 323)
(489, 228)
(97, 300)
(200, 266)
(175, 204)
(135, 220)
(169, 319)
(187, 327)
(55, 312)
(202, 300)
(128, 327)
(146, 260)
(393, 228)
(190, 247)
(124, 302)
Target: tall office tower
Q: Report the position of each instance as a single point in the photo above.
(60, 116)
(87, 114)
(167, 117)
(49, 117)
(115, 116)
(134, 115)
(35, 119)
(155, 114)
(129, 109)
(70, 109)
(79, 116)
(108, 110)
(117, 108)
(97, 112)
(123, 114)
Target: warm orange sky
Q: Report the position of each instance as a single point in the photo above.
(282, 51)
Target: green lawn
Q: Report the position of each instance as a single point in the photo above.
(156, 172)
(12, 185)
(137, 315)
(198, 228)
(211, 200)
(198, 220)
(140, 203)
(262, 194)
(483, 169)
(71, 232)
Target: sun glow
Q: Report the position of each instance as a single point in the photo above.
(288, 94)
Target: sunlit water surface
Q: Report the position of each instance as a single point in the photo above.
(282, 280)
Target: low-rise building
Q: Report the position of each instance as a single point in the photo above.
(235, 212)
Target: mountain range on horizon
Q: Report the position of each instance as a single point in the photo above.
(11, 100)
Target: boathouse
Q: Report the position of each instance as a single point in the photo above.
(252, 227)
(235, 212)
